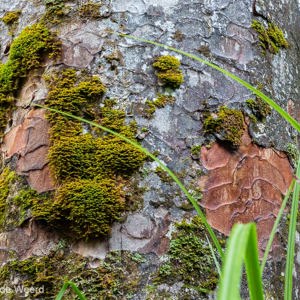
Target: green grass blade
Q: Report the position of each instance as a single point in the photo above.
(241, 248)
(62, 291)
(75, 289)
(275, 226)
(268, 100)
(288, 283)
(161, 164)
(214, 256)
(254, 275)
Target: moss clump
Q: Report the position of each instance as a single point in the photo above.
(227, 125)
(90, 10)
(117, 277)
(168, 71)
(260, 108)
(11, 17)
(159, 102)
(87, 208)
(69, 94)
(271, 38)
(27, 52)
(189, 258)
(77, 155)
(89, 167)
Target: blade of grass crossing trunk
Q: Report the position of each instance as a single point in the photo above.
(161, 164)
(275, 226)
(241, 249)
(288, 283)
(74, 288)
(273, 104)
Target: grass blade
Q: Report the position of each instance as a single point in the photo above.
(75, 289)
(276, 223)
(161, 164)
(268, 100)
(214, 256)
(288, 283)
(241, 248)
(62, 291)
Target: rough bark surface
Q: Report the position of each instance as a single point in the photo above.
(219, 30)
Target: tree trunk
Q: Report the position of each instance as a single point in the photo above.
(233, 154)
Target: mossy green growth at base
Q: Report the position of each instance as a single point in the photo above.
(260, 108)
(168, 71)
(271, 38)
(116, 277)
(189, 258)
(11, 17)
(227, 125)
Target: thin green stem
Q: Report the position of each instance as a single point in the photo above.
(288, 283)
(66, 285)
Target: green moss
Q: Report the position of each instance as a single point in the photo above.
(86, 157)
(195, 150)
(90, 10)
(88, 167)
(87, 208)
(189, 258)
(259, 108)
(293, 153)
(168, 71)
(150, 109)
(27, 52)
(271, 38)
(115, 278)
(166, 62)
(11, 17)
(227, 125)
(163, 175)
(74, 155)
(69, 94)
(117, 157)
(55, 11)
(15, 200)
(159, 102)
(6, 179)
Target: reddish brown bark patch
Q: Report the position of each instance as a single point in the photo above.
(243, 186)
(30, 142)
